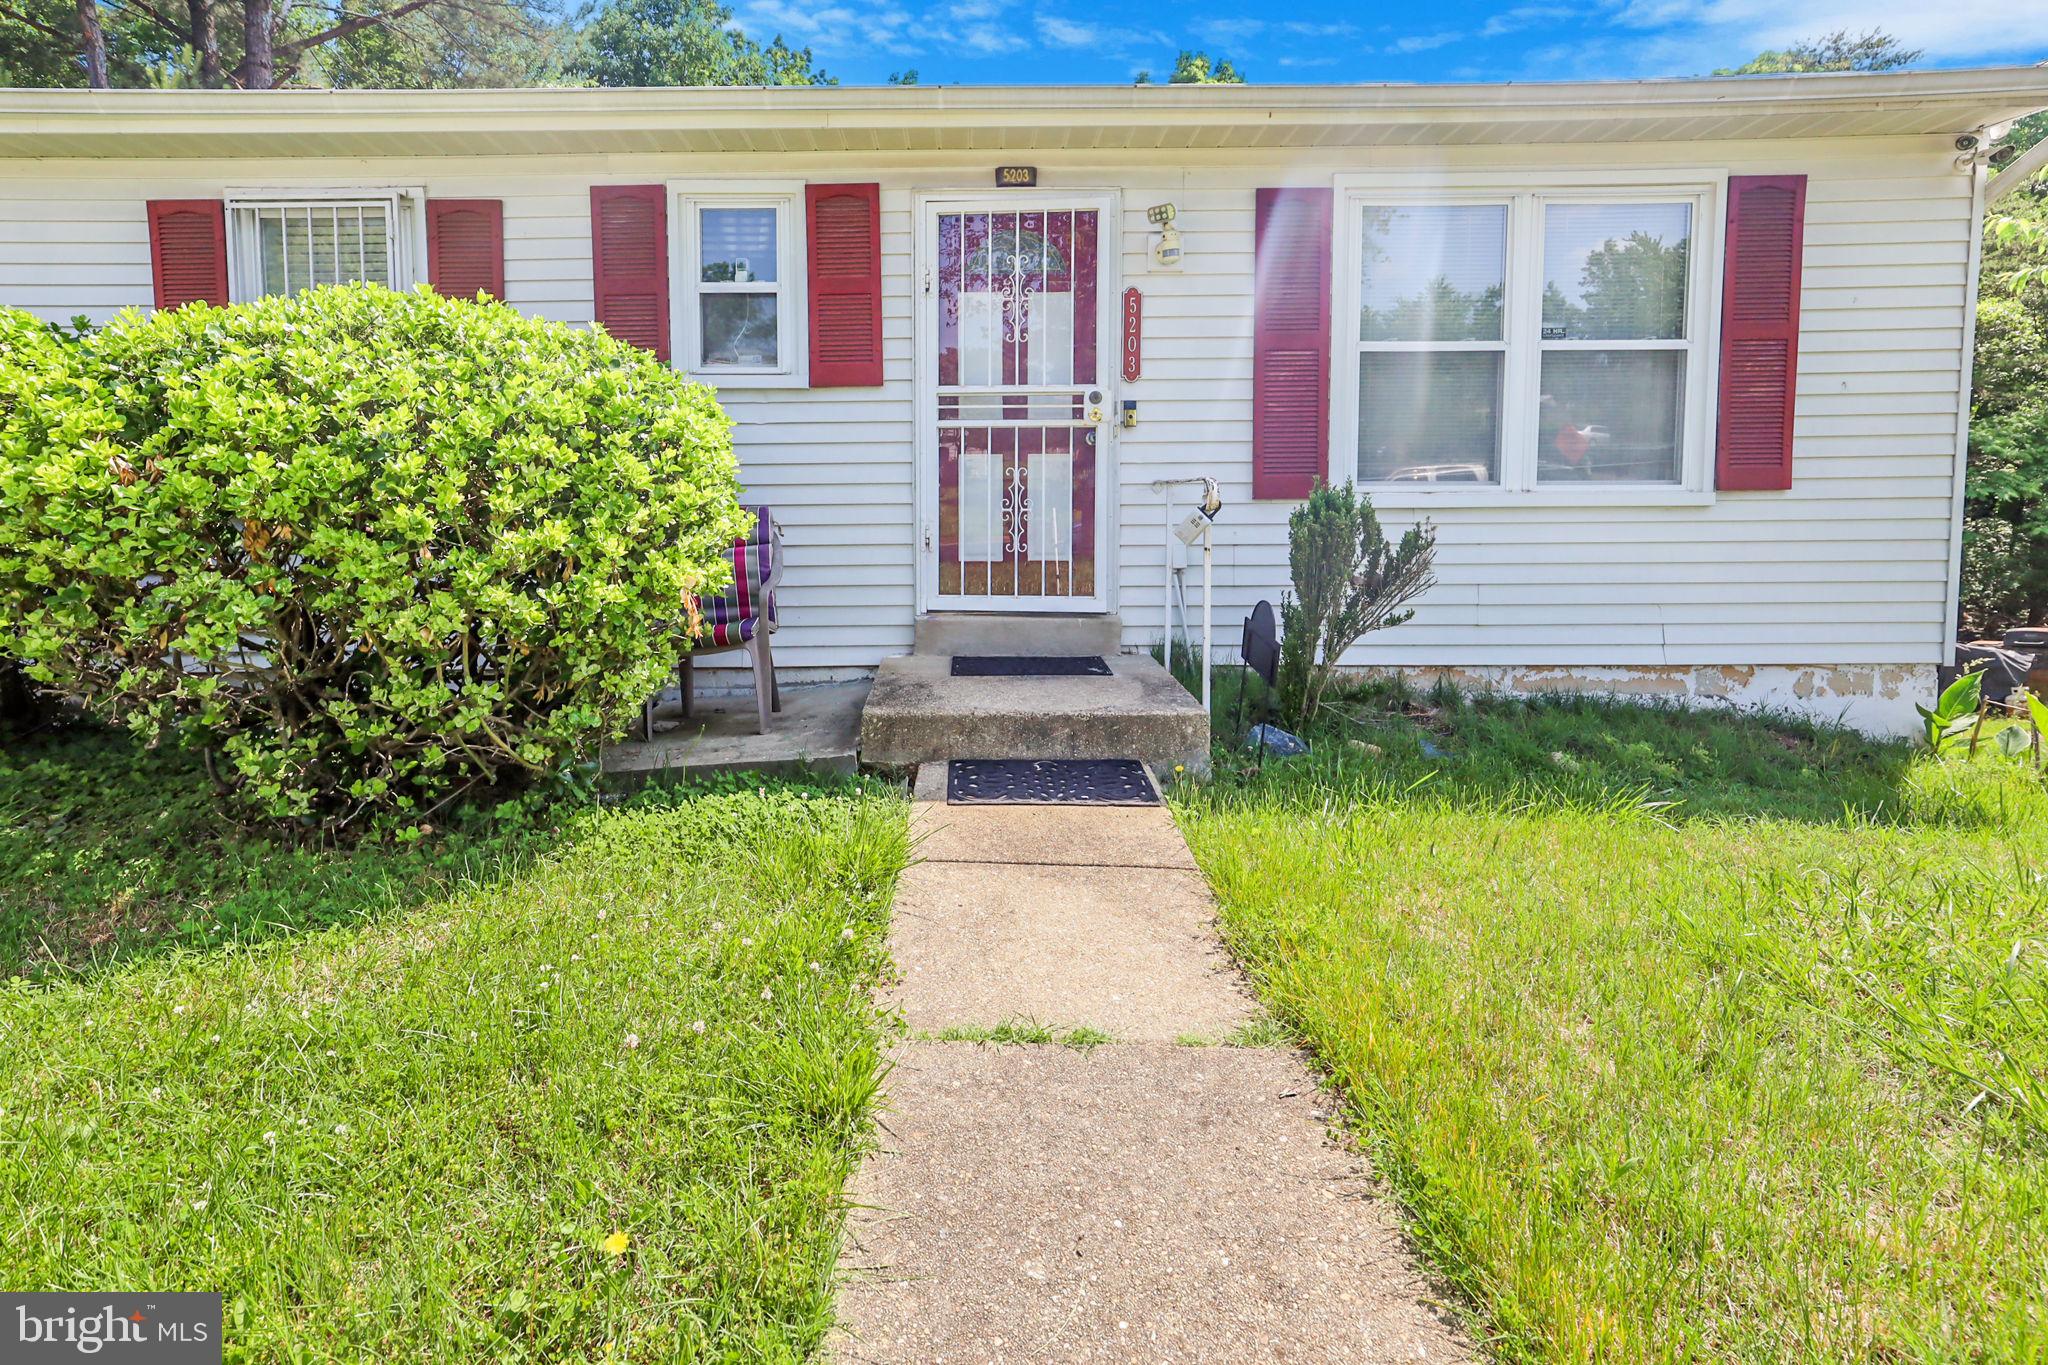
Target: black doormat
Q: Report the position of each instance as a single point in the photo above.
(1049, 782)
(1030, 666)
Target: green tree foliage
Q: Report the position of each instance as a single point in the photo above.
(1197, 68)
(684, 42)
(1631, 288)
(370, 551)
(1348, 580)
(1872, 50)
(262, 44)
(2005, 512)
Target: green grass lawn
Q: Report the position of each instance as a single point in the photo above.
(393, 1102)
(1679, 1038)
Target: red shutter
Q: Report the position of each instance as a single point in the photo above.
(1760, 330)
(466, 247)
(188, 251)
(629, 262)
(845, 223)
(1291, 342)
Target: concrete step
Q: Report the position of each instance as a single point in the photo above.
(971, 632)
(917, 712)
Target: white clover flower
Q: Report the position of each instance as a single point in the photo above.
(632, 1041)
(767, 994)
(697, 1028)
(846, 935)
(271, 1137)
(817, 967)
(341, 1130)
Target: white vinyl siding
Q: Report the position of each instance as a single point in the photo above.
(1850, 566)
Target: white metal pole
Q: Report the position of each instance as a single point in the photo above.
(1166, 567)
(1208, 642)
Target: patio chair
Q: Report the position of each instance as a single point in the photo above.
(742, 619)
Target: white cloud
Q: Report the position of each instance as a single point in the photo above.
(1422, 42)
(1229, 30)
(834, 29)
(1069, 33)
(1734, 30)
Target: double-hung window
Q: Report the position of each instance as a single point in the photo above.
(1544, 341)
(738, 315)
(283, 244)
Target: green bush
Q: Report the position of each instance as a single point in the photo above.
(1349, 580)
(371, 551)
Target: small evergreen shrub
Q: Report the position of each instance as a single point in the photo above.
(371, 551)
(1348, 580)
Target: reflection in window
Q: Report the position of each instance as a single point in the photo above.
(1615, 272)
(1433, 273)
(1432, 352)
(1611, 416)
(1429, 416)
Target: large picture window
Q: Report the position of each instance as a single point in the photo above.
(1525, 340)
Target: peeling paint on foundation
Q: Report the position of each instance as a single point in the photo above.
(1877, 699)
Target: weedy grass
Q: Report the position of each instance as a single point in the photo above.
(417, 1131)
(1680, 1037)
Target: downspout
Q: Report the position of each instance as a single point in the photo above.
(1952, 611)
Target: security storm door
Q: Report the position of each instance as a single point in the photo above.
(1016, 347)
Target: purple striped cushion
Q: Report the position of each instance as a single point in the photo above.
(734, 618)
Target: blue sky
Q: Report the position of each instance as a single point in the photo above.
(983, 42)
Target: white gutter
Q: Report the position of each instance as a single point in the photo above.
(1941, 94)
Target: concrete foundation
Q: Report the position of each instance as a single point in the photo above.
(1876, 699)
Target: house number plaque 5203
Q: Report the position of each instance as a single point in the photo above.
(1134, 333)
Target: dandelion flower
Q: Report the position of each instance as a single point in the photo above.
(616, 1244)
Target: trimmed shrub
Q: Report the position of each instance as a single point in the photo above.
(1349, 580)
(371, 551)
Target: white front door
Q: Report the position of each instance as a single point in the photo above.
(1013, 367)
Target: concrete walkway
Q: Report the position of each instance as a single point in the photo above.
(1157, 1198)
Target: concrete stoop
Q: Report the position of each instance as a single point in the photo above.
(917, 712)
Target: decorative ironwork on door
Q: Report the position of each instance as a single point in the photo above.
(1017, 433)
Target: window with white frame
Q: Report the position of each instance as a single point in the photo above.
(1531, 340)
(283, 245)
(738, 305)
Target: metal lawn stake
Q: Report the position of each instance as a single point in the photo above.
(1257, 652)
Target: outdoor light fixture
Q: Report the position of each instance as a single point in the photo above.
(1166, 251)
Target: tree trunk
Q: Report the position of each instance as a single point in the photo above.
(205, 40)
(92, 44)
(259, 60)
